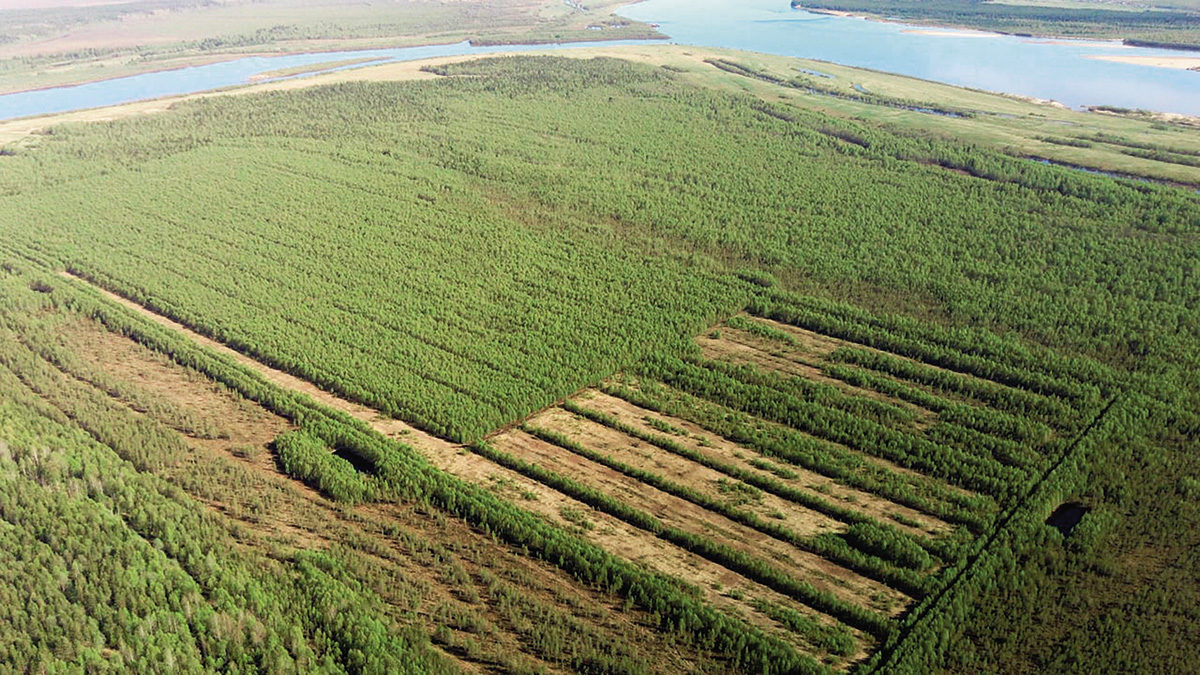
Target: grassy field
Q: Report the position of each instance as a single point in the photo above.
(489, 370)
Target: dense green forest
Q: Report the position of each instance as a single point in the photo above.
(1002, 336)
(824, 204)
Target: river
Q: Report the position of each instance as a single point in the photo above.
(1058, 70)
(233, 72)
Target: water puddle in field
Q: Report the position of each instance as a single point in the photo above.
(1067, 516)
(360, 464)
(814, 73)
(1110, 174)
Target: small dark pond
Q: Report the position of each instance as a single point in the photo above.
(1067, 516)
(360, 464)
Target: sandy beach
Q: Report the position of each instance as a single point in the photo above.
(1179, 62)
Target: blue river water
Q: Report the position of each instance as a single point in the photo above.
(1050, 69)
(1055, 70)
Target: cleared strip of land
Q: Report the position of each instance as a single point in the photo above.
(708, 444)
(723, 588)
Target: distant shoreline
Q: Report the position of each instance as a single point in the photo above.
(952, 29)
(203, 60)
(952, 32)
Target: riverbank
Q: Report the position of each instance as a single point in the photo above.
(942, 32)
(1023, 127)
(1040, 69)
(1174, 62)
(109, 72)
(166, 66)
(139, 45)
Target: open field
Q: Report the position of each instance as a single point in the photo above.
(484, 370)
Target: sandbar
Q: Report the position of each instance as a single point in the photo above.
(1178, 62)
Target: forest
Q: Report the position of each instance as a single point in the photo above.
(492, 371)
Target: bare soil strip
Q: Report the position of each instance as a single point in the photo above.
(740, 347)
(686, 516)
(724, 589)
(886, 464)
(714, 484)
(823, 345)
(711, 445)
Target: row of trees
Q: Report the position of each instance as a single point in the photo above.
(793, 448)
(401, 473)
(819, 393)
(805, 498)
(979, 418)
(1020, 402)
(867, 563)
(964, 467)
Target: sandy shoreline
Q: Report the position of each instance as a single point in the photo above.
(314, 68)
(1038, 101)
(1177, 62)
(949, 32)
(1079, 42)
